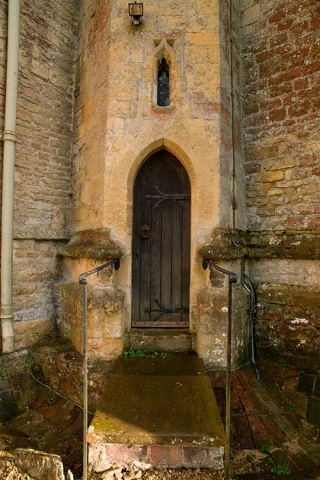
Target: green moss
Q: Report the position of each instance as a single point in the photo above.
(282, 244)
(223, 245)
(94, 244)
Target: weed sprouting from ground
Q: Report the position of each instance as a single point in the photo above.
(140, 352)
(282, 469)
(265, 448)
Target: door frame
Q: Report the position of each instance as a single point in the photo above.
(182, 185)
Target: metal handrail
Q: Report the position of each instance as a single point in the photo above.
(232, 279)
(83, 281)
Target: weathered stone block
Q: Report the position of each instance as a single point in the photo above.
(287, 325)
(270, 176)
(213, 323)
(251, 14)
(29, 332)
(39, 465)
(164, 340)
(104, 318)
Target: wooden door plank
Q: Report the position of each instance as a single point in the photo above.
(166, 242)
(176, 248)
(185, 264)
(155, 293)
(145, 246)
(136, 257)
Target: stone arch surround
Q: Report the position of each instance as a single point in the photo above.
(197, 276)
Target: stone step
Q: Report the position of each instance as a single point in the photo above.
(166, 340)
(157, 411)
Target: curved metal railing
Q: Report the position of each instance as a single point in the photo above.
(232, 279)
(84, 282)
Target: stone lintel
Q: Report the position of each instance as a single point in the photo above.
(93, 244)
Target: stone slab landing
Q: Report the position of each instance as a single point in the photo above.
(159, 411)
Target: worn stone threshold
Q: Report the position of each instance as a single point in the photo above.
(164, 339)
(151, 413)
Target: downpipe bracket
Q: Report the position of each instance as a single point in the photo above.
(9, 135)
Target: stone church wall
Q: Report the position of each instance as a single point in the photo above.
(43, 155)
(118, 125)
(281, 126)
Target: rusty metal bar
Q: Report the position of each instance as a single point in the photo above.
(232, 279)
(83, 281)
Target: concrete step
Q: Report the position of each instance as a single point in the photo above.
(158, 411)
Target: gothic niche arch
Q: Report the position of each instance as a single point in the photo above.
(161, 244)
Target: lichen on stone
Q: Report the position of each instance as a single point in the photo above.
(223, 245)
(93, 244)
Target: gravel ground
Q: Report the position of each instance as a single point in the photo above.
(8, 470)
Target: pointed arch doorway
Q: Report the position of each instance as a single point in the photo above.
(161, 244)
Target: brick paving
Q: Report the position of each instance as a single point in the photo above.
(266, 433)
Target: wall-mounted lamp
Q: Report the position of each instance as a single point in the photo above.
(136, 12)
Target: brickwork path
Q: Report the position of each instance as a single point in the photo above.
(267, 432)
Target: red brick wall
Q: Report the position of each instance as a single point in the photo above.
(281, 62)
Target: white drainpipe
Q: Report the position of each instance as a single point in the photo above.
(9, 147)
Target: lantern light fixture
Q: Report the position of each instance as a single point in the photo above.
(136, 12)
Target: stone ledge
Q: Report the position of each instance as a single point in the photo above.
(223, 246)
(93, 244)
(230, 245)
(297, 245)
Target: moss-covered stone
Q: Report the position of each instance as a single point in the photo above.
(282, 244)
(295, 244)
(288, 325)
(105, 326)
(223, 245)
(93, 244)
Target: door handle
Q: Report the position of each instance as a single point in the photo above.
(145, 231)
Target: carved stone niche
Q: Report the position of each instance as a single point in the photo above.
(85, 251)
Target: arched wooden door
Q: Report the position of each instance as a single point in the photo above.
(161, 244)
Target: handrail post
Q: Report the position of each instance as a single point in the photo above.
(232, 279)
(83, 281)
